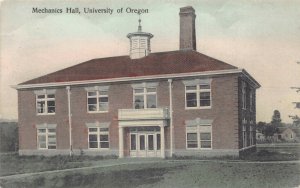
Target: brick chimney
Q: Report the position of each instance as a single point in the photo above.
(187, 28)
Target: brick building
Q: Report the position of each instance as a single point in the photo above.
(142, 105)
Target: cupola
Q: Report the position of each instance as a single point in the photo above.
(139, 43)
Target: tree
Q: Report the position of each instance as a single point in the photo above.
(269, 130)
(276, 120)
(260, 126)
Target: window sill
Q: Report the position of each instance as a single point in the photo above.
(99, 149)
(97, 112)
(50, 114)
(198, 149)
(198, 108)
(46, 149)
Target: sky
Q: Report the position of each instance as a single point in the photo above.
(261, 36)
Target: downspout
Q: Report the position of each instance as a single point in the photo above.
(171, 117)
(70, 119)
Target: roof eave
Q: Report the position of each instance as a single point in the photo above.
(255, 83)
(125, 79)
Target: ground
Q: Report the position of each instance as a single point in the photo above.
(99, 172)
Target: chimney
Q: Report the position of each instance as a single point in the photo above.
(187, 28)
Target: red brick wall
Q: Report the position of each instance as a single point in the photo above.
(224, 113)
(246, 113)
(28, 119)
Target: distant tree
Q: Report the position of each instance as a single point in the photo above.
(8, 136)
(269, 130)
(276, 119)
(260, 126)
(296, 120)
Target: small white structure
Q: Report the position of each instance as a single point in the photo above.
(287, 135)
(139, 43)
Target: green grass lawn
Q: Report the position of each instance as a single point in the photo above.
(15, 164)
(155, 172)
(170, 173)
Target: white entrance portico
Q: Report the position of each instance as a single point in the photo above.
(146, 132)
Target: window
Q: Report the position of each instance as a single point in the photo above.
(244, 95)
(244, 136)
(198, 96)
(46, 138)
(97, 101)
(192, 140)
(144, 98)
(251, 135)
(133, 142)
(251, 100)
(45, 103)
(98, 138)
(199, 137)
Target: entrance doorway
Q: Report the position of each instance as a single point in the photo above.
(145, 144)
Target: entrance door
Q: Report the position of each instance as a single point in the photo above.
(142, 145)
(145, 144)
(150, 145)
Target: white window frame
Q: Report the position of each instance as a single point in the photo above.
(46, 134)
(145, 94)
(244, 133)
(198, 129)
(251, 100)
(46, 99)
(98, 133)
(244, 96)
(99, 90)
(251, 135)
(198, 91)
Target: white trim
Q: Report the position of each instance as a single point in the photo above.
(70, 119)
(144, 84)
(44, 91)
(138, 78)
(45, 126)
(98, 125)
(121, 142)
(97, 88)
(196, 82)
(198, 121)
(171, 117)
(142, 123)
